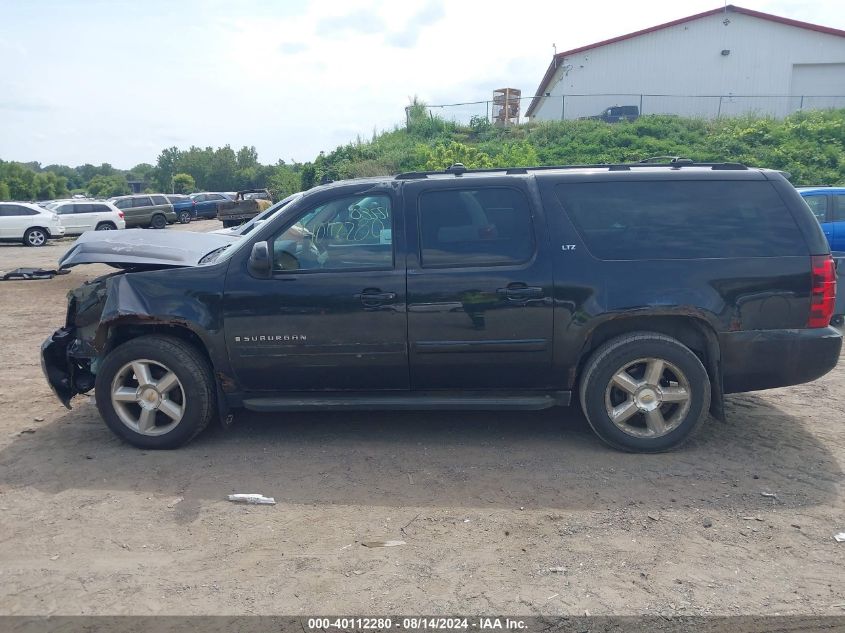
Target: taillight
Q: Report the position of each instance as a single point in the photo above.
(121, 215)
(823, 295)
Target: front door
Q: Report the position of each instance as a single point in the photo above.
(479, 288)
(332, 316)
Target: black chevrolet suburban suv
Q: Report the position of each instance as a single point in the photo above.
(645, 291)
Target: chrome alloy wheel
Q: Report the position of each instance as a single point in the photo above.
(148, 397)
(649, 397)
(36, 238)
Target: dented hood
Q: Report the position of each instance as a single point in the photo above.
(143, 248)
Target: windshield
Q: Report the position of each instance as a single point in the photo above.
(225, 252)
(245, 228)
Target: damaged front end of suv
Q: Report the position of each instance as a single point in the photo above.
(141, 296)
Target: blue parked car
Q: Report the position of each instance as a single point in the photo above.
(206, 203)
(183, 206)
(828, 205)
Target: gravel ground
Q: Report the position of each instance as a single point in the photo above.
(518, 513)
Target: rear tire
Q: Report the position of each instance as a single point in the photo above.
(106, 226)
(644, 392)
(158, 221)
(170, 403)
(35, 237)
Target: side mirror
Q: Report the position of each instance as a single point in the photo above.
(260, 264)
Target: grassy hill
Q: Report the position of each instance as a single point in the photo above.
(809, 145)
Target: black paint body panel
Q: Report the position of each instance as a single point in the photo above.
(453, 330)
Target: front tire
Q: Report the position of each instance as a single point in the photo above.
(35, 237)
(644, 392)
(158, 221)
(185, 217)
(155, 392)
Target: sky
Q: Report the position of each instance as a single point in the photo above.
(92, 81)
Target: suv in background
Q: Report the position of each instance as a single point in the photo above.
(183, 206)
(78, 216)
(145, 210)
(828, 205)
(207, 203)
(28, 223)
(646, 292)
(614, 114)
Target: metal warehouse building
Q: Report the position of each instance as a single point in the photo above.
(724, 62)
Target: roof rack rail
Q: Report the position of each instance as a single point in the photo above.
(728, 166)
(675, 162)
(671, 159)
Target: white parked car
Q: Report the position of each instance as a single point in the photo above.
(78, 216)
(28, 223)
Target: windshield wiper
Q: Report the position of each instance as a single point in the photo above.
(210, 258)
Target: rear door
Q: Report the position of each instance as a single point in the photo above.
(143, 208)
(479, 286)
(819, 204)
(837, 224)
(84, 217)
(15, 219)
(68, 217)
(9, 222)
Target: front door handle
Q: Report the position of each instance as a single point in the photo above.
(374, 296)
(520, 292)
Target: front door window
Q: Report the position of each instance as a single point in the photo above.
(351, 233)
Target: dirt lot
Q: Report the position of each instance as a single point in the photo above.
(516, 513)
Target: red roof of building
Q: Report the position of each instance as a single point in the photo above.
(757, 14)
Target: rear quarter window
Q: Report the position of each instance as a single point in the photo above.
(681, 219)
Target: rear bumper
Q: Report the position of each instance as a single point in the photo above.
(764, 359)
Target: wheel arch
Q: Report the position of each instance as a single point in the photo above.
(125, 329)
(693, 331)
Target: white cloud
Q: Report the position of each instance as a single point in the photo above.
(290, 78)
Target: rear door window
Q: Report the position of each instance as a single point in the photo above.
(681, 219)
(818, 205)
(15, 210)
(83, 208)
(141, 201)
(488, 226)
(838, 211)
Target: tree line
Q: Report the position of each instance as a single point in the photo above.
(175, 171)
(808, 145)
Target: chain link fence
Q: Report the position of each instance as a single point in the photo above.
(604, 106)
